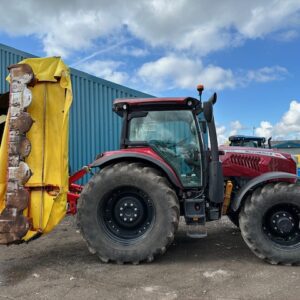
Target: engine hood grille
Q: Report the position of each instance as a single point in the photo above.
(250, 162)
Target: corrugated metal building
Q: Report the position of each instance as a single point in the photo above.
(292, 147)
(94, 128)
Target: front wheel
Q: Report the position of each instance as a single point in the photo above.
(270, 223)
(128, 213)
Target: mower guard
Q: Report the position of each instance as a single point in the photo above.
(48, 158)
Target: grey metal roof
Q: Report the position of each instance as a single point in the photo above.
(286, 144)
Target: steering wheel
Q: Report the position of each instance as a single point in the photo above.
(191, 154)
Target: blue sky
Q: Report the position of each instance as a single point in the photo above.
(246, 51)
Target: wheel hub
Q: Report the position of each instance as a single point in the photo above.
(129, 211)
(127, 214)
(283, 222)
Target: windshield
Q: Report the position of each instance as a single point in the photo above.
(173, 135)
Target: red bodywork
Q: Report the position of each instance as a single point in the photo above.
(239, 162)
(145, 151)
(252, 162)
(75, 189)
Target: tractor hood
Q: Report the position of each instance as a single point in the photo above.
(252, 162)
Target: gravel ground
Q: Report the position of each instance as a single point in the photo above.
(59, 266)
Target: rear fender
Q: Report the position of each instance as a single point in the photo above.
(257, 181)
(162, 166)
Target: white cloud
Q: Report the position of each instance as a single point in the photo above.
(189, 25)
(236, 126)
(173, 71)
(287, 36)
(265, 129)
(267, 74)
(292, 117)
(217, 78)
(287, 128)
(203, 27)
(269, 16)
(63, 26)
(195, 28)
(134, 51)
(221, 133)
(108, 70)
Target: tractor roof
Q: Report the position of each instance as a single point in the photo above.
(246, 138)
(121, 105)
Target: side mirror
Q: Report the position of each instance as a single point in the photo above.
(213, 99)
(208, 107)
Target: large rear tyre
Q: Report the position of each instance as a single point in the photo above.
(128, 213)
(269, 222)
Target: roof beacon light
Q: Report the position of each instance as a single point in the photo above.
(200, 89)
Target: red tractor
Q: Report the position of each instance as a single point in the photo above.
(129, 211)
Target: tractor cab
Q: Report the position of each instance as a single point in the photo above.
(169, 127)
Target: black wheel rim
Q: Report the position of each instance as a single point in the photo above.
(127, 214)
(281, 225)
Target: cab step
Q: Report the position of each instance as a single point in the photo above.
(195, 218)
(196, 231)
(194, 211)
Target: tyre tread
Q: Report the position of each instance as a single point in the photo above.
(248, 210)
(153, 175)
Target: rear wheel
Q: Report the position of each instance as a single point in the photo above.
(270, 221)
(128, 213)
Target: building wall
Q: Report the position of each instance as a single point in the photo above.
(292, 147)
(8, 56)
(293, 151)
(94, 128)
